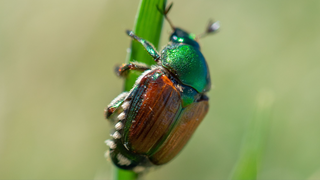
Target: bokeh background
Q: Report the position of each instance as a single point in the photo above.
(56, 77)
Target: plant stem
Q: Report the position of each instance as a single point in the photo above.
(121, 174)
(248, 164)
(148, 25)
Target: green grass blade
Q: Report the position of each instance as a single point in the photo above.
(248, 164)
(148, 26)
(121, 174)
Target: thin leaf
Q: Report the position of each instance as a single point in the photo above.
(148, 26)
(248, 164)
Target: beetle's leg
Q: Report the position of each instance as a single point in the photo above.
(164, 11)
(125, 68)
(148, 46)
(115, 103)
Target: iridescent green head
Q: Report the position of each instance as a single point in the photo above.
(181, 36)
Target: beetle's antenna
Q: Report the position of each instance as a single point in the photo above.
(164, 11)
(212, 27)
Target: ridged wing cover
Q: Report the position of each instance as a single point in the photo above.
(156, 124)
(155, 106)
(188, 122)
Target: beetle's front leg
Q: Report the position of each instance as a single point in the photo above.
(123, 70)
(148, 46)
(115, 103)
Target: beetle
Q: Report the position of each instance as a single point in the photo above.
(157, 117)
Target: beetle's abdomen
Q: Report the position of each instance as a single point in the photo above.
(154, 108)
(187, 123)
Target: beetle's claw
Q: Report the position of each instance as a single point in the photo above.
(117, 70)
(129, 32)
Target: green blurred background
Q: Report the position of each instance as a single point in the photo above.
(56, 77)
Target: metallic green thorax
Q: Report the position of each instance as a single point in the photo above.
(184, 59)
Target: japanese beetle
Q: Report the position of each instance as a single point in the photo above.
(155, 120)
